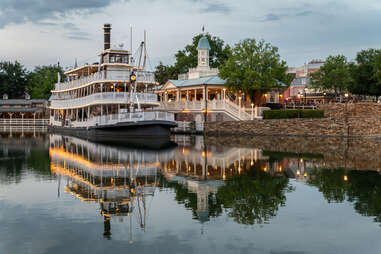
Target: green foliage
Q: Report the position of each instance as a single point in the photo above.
(42, 80)
(362, 188)
(254, 66)
(165, 72)
(13, 79)
(187, 58)
(334, 75)
(293, 113)
(255, 197)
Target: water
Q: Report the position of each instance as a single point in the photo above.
(234, 195)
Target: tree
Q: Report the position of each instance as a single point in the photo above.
(42, 80)
(254, 66)
(187, 58)
(366, 73)
(334, 75)
(13, 79)
(165, 72)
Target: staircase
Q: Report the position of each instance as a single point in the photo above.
(225, 106)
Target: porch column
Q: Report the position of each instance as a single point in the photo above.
(187, 95)
(178, 95)
(203, 94)
(34, 118)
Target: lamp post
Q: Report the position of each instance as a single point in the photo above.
(239, 110)
(252, 111)
(346, 95)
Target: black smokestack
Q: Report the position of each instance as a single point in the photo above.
(107, 33)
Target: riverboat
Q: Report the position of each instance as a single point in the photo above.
(112, 99)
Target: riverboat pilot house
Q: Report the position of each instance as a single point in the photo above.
(201, 95)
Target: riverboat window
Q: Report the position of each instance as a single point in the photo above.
(118, 59)
(112, 59)
(125, 59)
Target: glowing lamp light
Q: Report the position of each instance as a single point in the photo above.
(298, 172)
(345, 178)
(265, 169)
(251, 163)
(346, 95)
(305, 174)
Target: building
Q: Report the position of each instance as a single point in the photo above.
(201, 95)
(23, 109)
(298, 88)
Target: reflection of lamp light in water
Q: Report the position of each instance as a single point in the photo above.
(239, 170)
(280, 168)
(223, 176)
(345, 178)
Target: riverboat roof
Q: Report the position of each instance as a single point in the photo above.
(115, 51)
(81, 68)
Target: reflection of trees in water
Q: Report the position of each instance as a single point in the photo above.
(362, 188)
(16, 162)
(255, 196)
(252, 197)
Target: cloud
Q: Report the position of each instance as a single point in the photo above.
(304, 13)
(272, 17)
(35, 11)
(216, 7)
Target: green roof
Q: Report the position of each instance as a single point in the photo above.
(203, 43)
(211, 80)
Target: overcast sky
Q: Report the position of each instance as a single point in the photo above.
(40, 32)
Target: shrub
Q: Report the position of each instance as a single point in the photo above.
(293, 113)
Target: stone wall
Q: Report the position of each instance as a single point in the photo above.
(341, 120)
(360, 154)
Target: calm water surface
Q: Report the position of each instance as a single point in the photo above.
(66, 195)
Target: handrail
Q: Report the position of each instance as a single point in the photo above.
(104, 98)
(142, 76)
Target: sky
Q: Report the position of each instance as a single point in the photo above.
(43, 32)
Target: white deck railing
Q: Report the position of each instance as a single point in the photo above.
(223, 105)
(142, 76)
(119, 118)
(23, 122)
(105, 98)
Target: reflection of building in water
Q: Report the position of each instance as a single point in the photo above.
(119, 179)
(202, 169)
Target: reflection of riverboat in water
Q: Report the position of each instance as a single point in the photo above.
(113, 98)
(121, 180)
